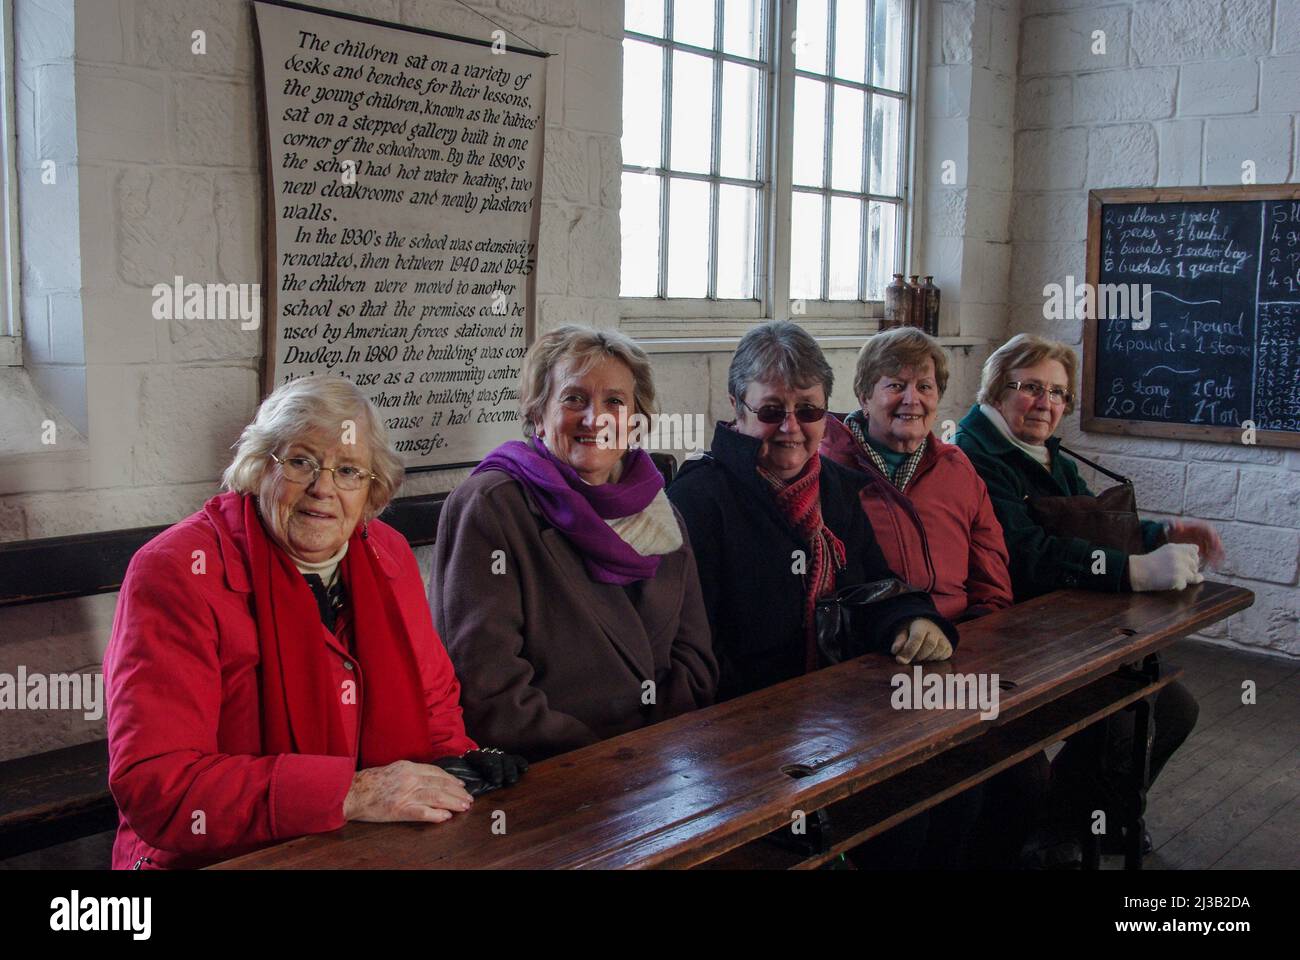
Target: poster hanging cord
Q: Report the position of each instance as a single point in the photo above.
(503, 27)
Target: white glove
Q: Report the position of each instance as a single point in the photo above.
(1172, 567)
(920, 640)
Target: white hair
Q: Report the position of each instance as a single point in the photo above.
(304, 406)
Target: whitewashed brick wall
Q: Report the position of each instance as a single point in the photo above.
(965, 162)
(1185, 91)
(163, 179)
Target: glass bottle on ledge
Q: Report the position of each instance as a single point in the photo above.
(898, 301)
(916, 310)
(930, 298)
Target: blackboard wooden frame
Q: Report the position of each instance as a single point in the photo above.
(1144, 428)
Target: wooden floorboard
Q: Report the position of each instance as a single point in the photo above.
(1270, 846)
(1229, 798)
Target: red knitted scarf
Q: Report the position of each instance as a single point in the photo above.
(300, 703)
(801, 503)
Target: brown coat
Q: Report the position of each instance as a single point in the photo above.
(548, 659)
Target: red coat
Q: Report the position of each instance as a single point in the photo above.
(184, 715)
(941, 534)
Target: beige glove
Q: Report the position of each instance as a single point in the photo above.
(921, 641)
(1172, 567)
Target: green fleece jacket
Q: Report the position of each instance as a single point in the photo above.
(1040, 562)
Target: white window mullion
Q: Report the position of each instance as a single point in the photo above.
(782, 121)
(11, 322)
(666, 149)
(715, 154)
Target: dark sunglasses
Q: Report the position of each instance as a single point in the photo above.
(771, 413)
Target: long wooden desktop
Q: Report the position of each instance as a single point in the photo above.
(704, 788)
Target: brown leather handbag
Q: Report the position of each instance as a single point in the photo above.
(1110, 519)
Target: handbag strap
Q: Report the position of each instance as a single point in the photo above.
(1096, 466)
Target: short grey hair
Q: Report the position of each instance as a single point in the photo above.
(302, 407)
(778, 351)
(583, 347)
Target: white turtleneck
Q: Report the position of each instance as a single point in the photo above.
(327, 570)
(1038, 452)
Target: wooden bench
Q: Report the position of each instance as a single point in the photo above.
(63, 795)
(702, 788)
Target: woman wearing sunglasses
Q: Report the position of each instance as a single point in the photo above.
(777, 527)
(1027, 388)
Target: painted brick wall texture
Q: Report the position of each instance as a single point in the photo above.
(169, 183)
(1183, 93)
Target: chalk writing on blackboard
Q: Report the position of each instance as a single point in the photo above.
(1221, 349)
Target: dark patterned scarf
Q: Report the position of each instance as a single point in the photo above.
(801, 503)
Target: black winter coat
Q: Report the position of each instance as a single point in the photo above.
(745, 552)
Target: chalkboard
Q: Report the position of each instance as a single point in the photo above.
(1192, 314)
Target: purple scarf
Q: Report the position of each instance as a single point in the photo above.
(579, 510)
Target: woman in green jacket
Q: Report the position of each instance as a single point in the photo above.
(1027, 387)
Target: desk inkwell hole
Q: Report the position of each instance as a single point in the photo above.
(797, 771)
(1007, 684)
(1126, 631)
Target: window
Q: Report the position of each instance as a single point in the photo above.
(694, 167)
(11, 353)
(763, 163)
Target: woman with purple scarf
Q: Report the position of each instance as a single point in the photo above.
(564, 585)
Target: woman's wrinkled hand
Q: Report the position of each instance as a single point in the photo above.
(920, 641)
(405, 791)
(1197, 532)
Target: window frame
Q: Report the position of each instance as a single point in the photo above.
(11, 318)
(763, 153)
(651, 316)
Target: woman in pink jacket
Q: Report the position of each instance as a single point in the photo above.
(933, 519)
(273, 669)
(928, 507)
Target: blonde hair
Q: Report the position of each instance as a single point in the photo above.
(305, 406)
(581, 348)
(1026, 350)
(889, 352)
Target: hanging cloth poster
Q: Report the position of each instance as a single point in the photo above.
(403, 203)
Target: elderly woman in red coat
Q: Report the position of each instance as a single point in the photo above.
(935, 524)
(928, 508)
(273, 669)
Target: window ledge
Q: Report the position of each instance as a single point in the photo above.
(23, 419)
(728, 344)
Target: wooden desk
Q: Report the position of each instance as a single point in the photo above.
(695, 788)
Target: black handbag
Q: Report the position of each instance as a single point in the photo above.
(1109, 519)
(843, 620)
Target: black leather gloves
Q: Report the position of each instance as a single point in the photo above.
(496, 766)
(484, 769)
